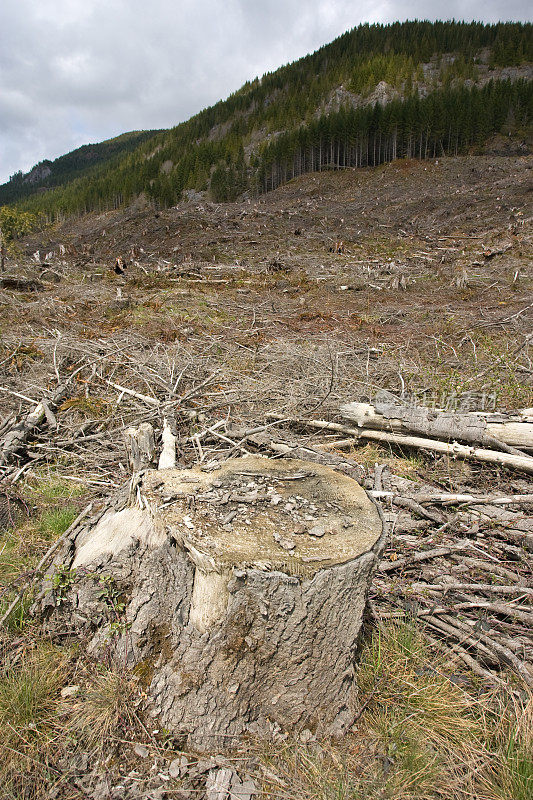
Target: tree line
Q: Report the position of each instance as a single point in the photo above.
(444, 123)
(431, 67)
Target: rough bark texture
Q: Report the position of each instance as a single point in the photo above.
(474, 427)
(242, 627)
(140, 446)
(17, 436)
(283, 658)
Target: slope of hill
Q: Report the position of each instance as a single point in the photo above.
(85, 161)
(227, 314)
(413, 89)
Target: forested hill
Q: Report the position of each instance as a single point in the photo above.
(78, 163)
(412, 89)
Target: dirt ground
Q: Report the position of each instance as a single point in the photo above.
(420, 289)
(411, 277)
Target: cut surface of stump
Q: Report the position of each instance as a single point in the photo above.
(243, 588)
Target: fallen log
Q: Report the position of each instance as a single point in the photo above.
(486, 588)
(523, 463)
(489, 430)
(451, 498)
(518, 537)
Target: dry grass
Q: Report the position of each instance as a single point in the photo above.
(104, 708)
(31, 736)
(407, 465)
(423, 722)
(509, 729)
(425, 734)
(42, 733)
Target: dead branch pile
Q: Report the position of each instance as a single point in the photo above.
(100, 389)
(459, 561)
(458, 564)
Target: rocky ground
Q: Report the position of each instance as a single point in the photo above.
(411, 277)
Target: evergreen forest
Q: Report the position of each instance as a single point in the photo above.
(446, 87)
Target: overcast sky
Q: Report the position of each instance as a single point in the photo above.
(80, 71)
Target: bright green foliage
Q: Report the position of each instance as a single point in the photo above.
(15, 223)
(55, 521)
(394, 69)
(208, 151)
(62, 580)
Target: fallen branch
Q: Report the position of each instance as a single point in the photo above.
(455, 450)
(467, 659)
(390, 566)
(504, 654)
(449, 498)
(487, 588)
(413, 505)
(150, 401)
(494, 430)
(196, 389)
(503, 609)
(18, 435)
(491, 568)
(459, 635)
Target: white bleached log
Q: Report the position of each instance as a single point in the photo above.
(523, 463)
(475, 427)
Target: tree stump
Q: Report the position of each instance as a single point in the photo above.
(140, 446)
(237, 594)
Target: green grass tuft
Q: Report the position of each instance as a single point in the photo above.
(54, 523)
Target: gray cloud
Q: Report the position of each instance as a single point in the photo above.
(78, 71)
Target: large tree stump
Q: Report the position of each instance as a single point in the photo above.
(241, 592)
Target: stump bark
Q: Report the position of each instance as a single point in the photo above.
(237, 594)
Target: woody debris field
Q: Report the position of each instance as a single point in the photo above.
(266, 493)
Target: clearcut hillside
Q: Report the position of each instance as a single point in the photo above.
(375, 94)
